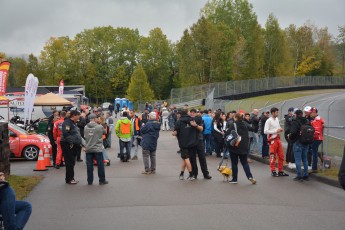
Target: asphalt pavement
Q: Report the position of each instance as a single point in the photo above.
(132, 200)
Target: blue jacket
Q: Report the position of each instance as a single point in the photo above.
(207, 124)
(150, 135)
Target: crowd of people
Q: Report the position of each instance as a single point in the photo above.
(199, 134)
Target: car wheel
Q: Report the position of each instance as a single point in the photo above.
(30, 153)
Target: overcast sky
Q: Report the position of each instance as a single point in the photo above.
(27, 24)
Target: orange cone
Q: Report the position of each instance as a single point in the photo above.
(40, 166)
(47, 157)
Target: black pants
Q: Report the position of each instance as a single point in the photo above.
(234, 162)
(200, 152)
(78, 152)
(289, 153)
(54, 150)
(265, 147)
(69, 153)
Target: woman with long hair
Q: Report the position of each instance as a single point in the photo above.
(241, 150)
(218, 133)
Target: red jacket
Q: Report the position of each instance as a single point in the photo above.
(318, 124)
(58, 128)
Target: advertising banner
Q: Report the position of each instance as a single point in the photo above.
(4, 67)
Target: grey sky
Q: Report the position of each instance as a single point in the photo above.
(27, 25)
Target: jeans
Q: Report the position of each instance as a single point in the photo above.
(171, 123)
(126, 145)
(260, 145)
(134, 141)
(15, 214)
(109, 139)
(207, 139)
(234, 162)
(315, 149)
(253, 143)
(100, 166)
(300, 152)
(149, 156)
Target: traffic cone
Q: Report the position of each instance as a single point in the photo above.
(40, 166)
(47, 157)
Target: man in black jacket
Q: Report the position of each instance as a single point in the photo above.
(187, 130)
(290, 159)
(300, 150)
(70, 140)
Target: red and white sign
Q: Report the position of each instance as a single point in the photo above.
(4, 67)
(31, 86)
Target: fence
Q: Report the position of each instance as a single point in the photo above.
(181, 95)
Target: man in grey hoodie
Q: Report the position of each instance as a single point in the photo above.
(94, 146)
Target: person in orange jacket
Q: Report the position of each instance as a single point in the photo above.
(57, 132)
(318, 124)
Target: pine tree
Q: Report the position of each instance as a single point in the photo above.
(139, 88)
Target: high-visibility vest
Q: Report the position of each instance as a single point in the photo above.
(125, 128)
(136, 123)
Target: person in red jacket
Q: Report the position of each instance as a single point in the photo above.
(318, 124)
(57, 132)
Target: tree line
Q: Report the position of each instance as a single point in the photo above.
(226, 43)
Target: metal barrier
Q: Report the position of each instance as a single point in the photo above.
(181, 95)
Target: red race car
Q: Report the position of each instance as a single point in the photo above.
(23, 144)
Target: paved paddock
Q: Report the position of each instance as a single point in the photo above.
(135, 201)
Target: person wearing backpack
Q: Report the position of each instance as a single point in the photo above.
(124, 131)
(298, 135)
(318, 124)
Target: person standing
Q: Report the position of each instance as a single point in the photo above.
(241, 151)
(165, 119)
(57, 133)
(186, 131)
(255, 124)
(200, 149)
(94, 149)
(150, 135)
(124, 131)
(81, 125)
(341, 175)
(207, 132)
(263, 143)
(300, 150)
(50, 127)
(110, 122)
(136, 133)
(15, 213)
(111, 109)
(218, 133)
(273, 130)
(318, 124)
(70, 139)
(290, 159)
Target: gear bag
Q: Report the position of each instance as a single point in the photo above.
(307, 134)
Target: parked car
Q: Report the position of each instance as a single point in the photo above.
(25, 145)
(105, 105)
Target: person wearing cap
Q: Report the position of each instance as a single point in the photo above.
(136, 133)
(289, 158)
(307, 112)
(300, 150)
(124, 131)
(70, 138)
(272, 130)
(165, 120)
(150, 134)
(94, 149)
(318, 124)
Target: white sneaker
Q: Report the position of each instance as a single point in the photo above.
(293, 165)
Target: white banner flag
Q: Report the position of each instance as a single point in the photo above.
(30, 94)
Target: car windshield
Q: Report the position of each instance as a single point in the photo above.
(18, 129)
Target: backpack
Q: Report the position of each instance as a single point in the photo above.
(307, 134)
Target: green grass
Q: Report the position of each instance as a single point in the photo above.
(331, 173)
(23, 185)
